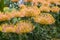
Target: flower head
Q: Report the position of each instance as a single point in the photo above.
(55, 9)
(32, 11)
(8, 28)
(45, 19)
(24, 27)
(14, 0)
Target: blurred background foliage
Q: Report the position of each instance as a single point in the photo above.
(1, 5)
(41, 32)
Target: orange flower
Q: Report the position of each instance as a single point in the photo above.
(43, 2)
(36, 9)
(54, 1)
(46, 3)
(22, 6)
(45, 8)
(9, 16)
(32, 11)
(58, 2)
(45, 18)
(22, 12)
(19, 14)
(3, 17)
(8, 28)
(14, 0)
(28, 0)
(24, 27)
(6, 16)
(35, 2)
(55, 9)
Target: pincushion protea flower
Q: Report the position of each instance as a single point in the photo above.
(36, 9)
(55, 9)
(8, 28)
(54, 1)
(6, 16)
(21, 27)
(46, 3)
(19, 14)
(35, 2)
(14, 0)
(45, 8)
(24, 27)
(28, 0)
(32, 11)
(45, 18)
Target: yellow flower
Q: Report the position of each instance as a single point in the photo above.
(24, 27)
(0, 28)
(45, 18)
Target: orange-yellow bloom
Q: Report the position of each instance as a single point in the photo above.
(22, 6)
(24, 27)
(8, 28)
(54, 1)
(28, 0)
(45, 18)
(45, 8)
(14, 0)
(32, 11)
(55, 9)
